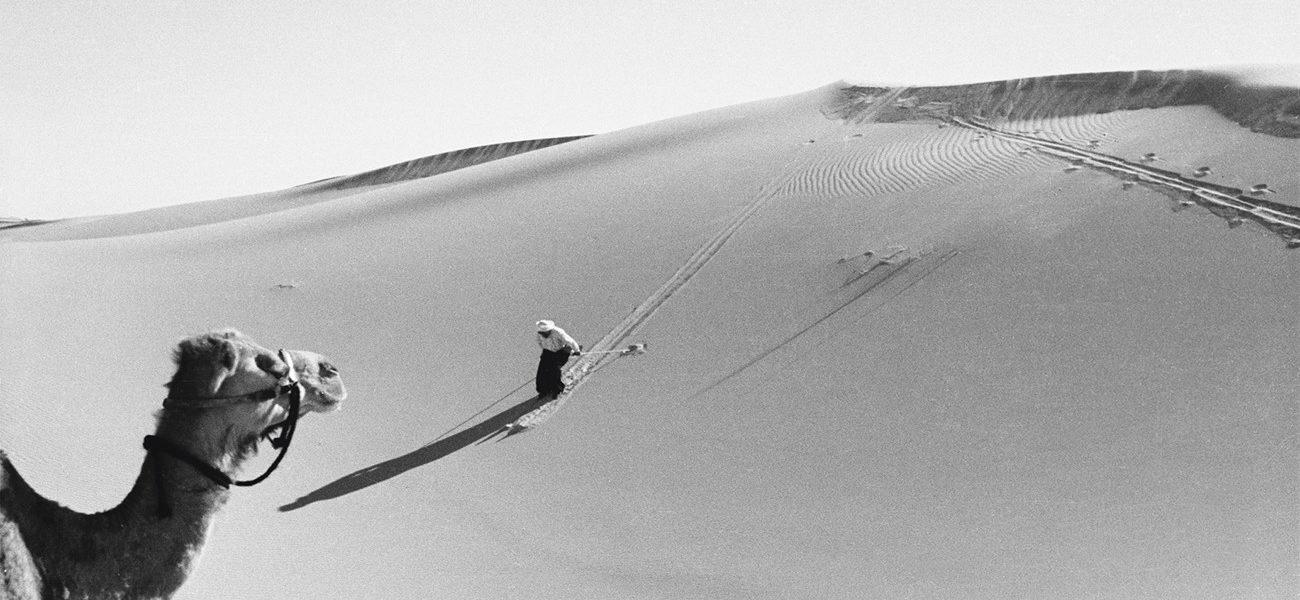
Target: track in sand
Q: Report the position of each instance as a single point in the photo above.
(1233, 204)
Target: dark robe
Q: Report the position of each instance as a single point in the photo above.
(549, 367)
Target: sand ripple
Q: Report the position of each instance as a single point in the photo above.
(893, 158)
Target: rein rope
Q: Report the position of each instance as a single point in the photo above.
(287, 427)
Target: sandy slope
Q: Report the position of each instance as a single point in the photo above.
(1056, 387)
(215, 211)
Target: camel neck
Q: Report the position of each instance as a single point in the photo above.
(169, 487)
(164, 523)
(139, 545)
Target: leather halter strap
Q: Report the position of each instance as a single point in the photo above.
(271, 393)
(153, 442)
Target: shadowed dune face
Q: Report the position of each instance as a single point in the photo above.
(1034, 342)
(438, 164)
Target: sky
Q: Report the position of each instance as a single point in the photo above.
(117, 107)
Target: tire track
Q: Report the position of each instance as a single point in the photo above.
(874, 284)
(576, 373)
(865, 290)
(1229, 203)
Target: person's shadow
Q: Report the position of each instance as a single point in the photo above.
(383, 471)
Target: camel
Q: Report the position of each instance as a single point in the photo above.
(227, 394)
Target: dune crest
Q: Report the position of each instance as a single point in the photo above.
(1270, 109)
(906, 139)
(437, 164)
(207, 212)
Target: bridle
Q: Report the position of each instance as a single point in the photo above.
(287, 385)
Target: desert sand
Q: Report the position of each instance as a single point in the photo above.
(986, 341)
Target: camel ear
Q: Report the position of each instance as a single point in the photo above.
(227, 359)
(229, 356)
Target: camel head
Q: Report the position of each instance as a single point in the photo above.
(241, 384)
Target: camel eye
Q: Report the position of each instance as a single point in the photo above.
(272, 365)
(328, 370)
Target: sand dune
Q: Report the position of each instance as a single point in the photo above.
(928, 342)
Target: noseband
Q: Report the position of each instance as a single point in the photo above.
(288, 385)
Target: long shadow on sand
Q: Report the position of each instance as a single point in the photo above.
(380, 472)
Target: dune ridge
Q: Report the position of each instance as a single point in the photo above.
(437, 164)
(1270, 109)
(1082, 110)
(904, 139)
(7, 223)
(206, 212)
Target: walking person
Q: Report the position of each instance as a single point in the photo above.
(557, 347)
